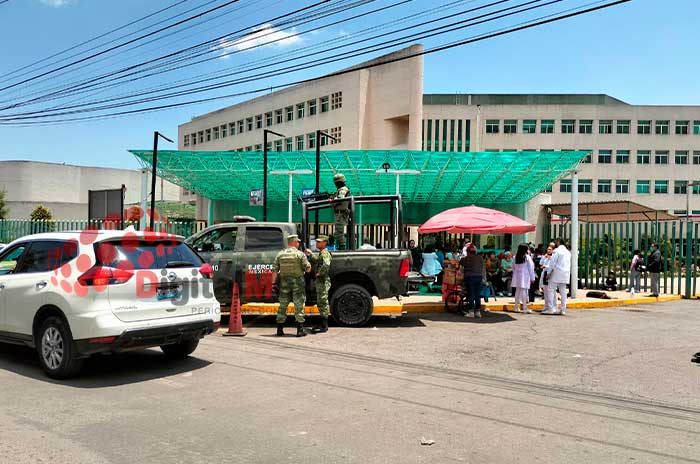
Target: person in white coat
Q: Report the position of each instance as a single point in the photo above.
(523, 276)
(544, 263)
(558, 276)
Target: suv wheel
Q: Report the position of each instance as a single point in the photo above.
(182, 349)
(57, 353)
(351, 305)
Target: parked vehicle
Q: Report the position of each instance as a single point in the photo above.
(72, 294)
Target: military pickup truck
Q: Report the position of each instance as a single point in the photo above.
(243, 253)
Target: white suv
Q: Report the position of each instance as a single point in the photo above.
(73, 294)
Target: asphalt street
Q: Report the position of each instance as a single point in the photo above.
(599, 386)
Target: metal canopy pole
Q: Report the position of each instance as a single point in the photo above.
(319, 133)
(156, 134)
(265, 132)
(574, 233)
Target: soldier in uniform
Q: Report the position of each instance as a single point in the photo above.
(321, 265)
(291, 264)
(341, 210)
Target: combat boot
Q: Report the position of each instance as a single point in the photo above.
(280, 329)
(301, 330)
(321, 328)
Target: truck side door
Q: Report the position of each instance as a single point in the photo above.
(218, 248)
(260, 247)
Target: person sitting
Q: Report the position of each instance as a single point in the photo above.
(431, 265)
(507, 272)
(493, 271)
(611, 282)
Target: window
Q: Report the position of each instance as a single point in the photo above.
(643, 127)
(662, 127)
(279, 116)
(696, 127)
(278, 144)
(45, 256)
(604, 156)
(258, 121)
(336, 100)
(661, 157)
(660, 186)
(263, 238)
(510, 126)
(547, 189)
(232, 128)
(200, 136)
(585, 186)
(311, 140)
(268, 119)
(604, 185)
(622, 186)
(429, 137)
(696, 188)
(269, 146)
(10, 258)
(240, 126)
(336, 132)
(643, 156)
(492, 126)
(529, 126)
(565, 186)
(605, 126)
(258, 147)
(186, 141)
(324, 104)
(223, 131)
(568, 126)
(642, 186)
(193, 139)
(248, 148)
(300, 142)
(585, 126)
(681, 157)
(300, 110)
(680, 187)
(312, 107)
(289, 144)
(622, 156)
(696, 157)
(223, 239)
(290, 113)
(452, 135)
(208, 135)
(547, 126)
(249, 124)
(216, 133)
(623, 126)
(323, 140)
(682, 127)
(588, 159)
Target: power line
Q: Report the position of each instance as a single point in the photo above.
(531, 24)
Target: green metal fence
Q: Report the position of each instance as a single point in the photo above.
(12, 229)
(609, 247)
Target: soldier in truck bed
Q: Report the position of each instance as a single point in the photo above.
(341, 210)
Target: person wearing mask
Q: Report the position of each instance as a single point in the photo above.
(523, 276)
(636, 268)
(558, 275)
(472, 266)
(654, 268)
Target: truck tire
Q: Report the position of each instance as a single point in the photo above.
(57, 354)
(351, 305)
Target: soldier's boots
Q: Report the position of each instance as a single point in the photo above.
(323, 327)
(280, 329)
(301, 330)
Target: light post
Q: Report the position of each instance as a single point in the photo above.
(688, 190)
(291, 184)
(689, 271)
(156, 135)
(265, 132)
(398, 172)
(319, 133)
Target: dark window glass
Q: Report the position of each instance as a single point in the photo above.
(10, 258)
(45, 256)
(223, 239)
(145, 254)
(263, 238)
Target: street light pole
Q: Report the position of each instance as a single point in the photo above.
(156, 135)
(398, 173)
(291, 185)
(265, 132)
(319, 133)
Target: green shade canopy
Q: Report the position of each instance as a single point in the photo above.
(446, 177)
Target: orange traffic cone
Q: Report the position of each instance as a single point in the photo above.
(235, 322)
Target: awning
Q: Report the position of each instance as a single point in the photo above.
(444, 177)
(611, 211)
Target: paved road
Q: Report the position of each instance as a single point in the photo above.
(595, 386)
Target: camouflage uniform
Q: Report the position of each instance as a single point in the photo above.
(321, 264)
(341, 212)
(291, 264)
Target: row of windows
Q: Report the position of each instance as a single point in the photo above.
(585, 126)
(298, 143)
(680, 157)
(300, 110)
(446, 135)
(680, 187)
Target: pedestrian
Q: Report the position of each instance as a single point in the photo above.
(321, 265)
(654, 267)
(472, 267)
(416, 255)
(544, 263)
(289, 268)
(558, 275)
(523, 277)
(341, 211)
(636, 268)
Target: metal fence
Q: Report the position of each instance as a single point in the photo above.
(609, 247)
(12, 229)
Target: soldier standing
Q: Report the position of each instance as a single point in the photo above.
(341, 210)
(321, 266)
(291, 264)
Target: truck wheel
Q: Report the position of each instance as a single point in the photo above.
(351, 305)
(180, 350)
(56, 351)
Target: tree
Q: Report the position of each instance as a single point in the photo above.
(41, 213)
(3, 207)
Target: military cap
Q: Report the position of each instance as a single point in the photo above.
(339, 178)
(322, 238)
(293, 237)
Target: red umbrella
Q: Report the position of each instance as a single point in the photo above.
(475, 220)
